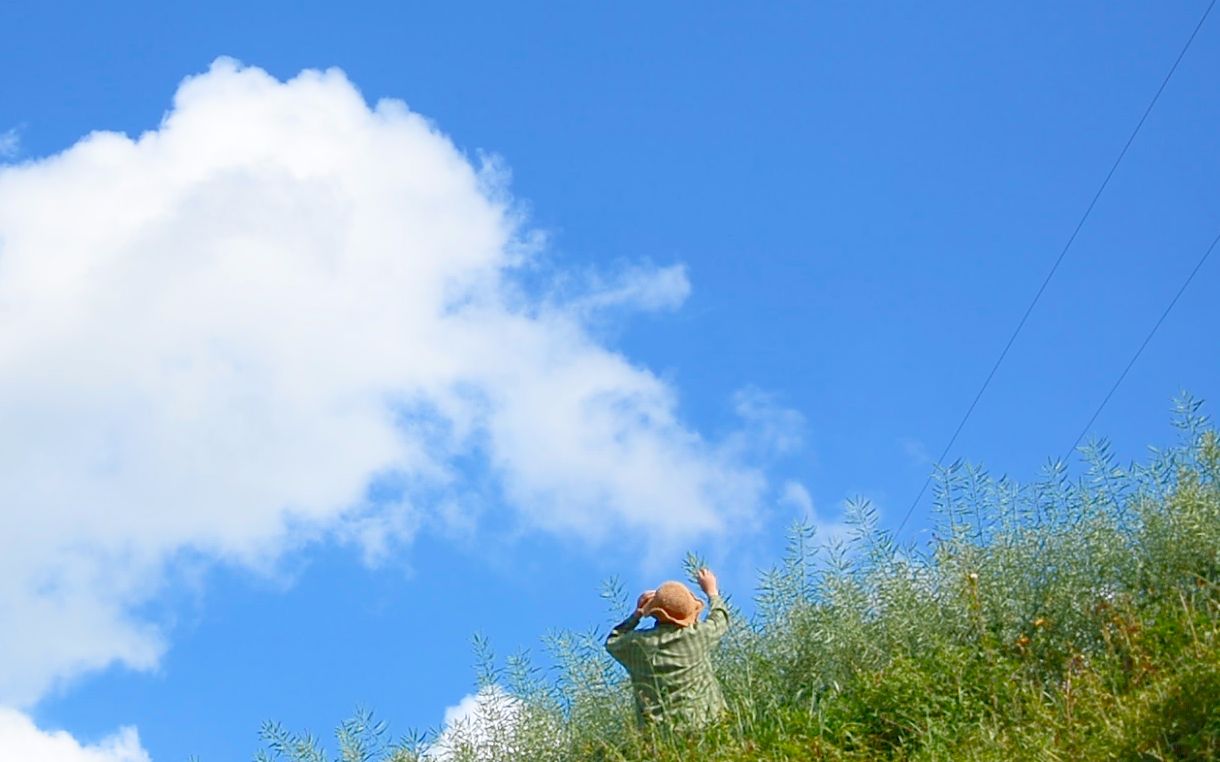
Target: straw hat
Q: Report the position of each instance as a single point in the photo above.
(673, 602)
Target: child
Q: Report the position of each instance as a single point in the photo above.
(670, 664)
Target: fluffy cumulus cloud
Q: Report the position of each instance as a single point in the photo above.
(282, 313)
(486, 721)
(21, 740)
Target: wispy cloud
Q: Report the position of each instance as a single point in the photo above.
(220, 336)
(768, 426)
(638, 288)
(10, 143)
(916, 451)
(796, 498)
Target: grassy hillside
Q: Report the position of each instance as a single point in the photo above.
(1066, 619)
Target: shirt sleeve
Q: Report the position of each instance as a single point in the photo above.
(617, 642)
(717, 622)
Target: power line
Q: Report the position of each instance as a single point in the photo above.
(1071, 239)
(1139, 351)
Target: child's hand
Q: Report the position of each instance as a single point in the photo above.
(707, 581)
(643, 600)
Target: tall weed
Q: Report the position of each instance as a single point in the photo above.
(1063, 619)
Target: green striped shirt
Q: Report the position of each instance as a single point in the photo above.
(671, 669)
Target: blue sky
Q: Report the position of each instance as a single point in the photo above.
(722, 258)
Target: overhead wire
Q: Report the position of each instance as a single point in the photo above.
(1058, 260)
(1138, 352)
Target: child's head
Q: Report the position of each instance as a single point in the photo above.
(674, 603)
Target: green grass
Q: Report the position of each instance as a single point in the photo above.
(1064, 619)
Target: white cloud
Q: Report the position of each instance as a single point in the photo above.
(637, 288)
(769, 426)
(22, 741)
(481, 724)
(916, 451)
(380, 530)
(795, 496)
(219, 336)
(10, 143)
